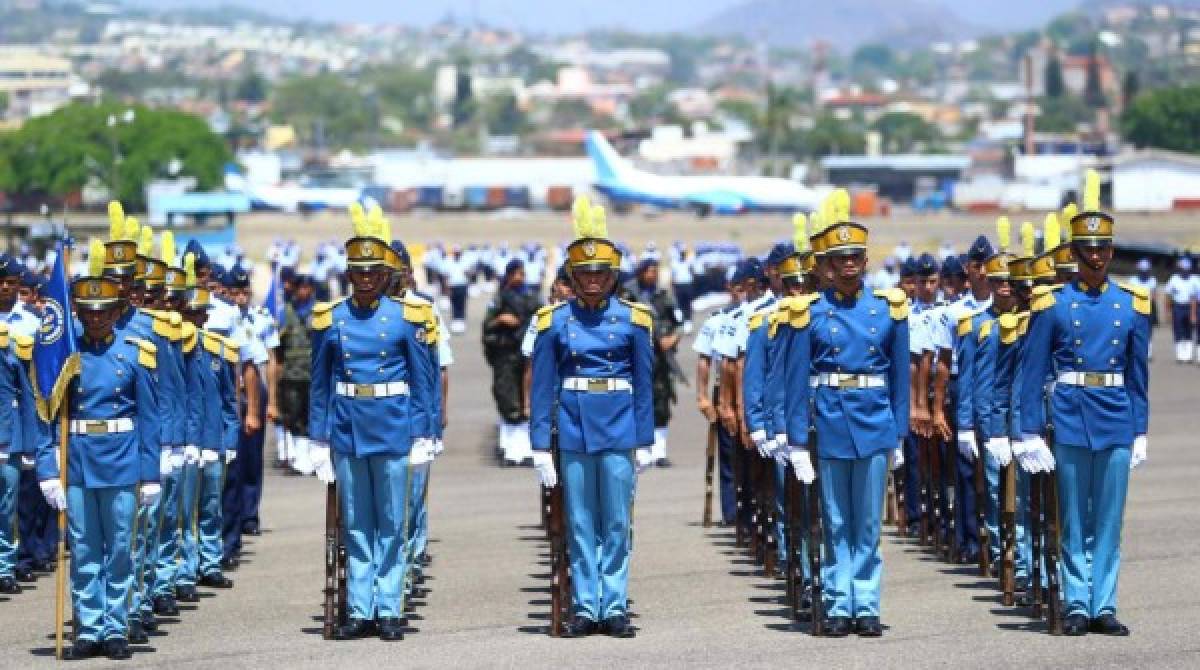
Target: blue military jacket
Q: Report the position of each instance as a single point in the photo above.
(1076, 328)
(755, 368)
(212, 393)
(386, 342)
(999, 345)
(865, 334)
(22, 325)
(116, 380)
(164, 331)
(612, 342)
(966, 345)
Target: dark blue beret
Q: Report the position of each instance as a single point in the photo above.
(927, 265)
(780, 252)
(980, 250)
(953, 267)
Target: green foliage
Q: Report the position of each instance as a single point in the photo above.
(3, 102)
(503, 116)
(904, 132)
(650, 106)
(252, 87)
(1062, 115)
(878, 57)
(1055, 86)
(404, 92)
(323, 109)
(1167, 118)
(827, 136)
(58, 153)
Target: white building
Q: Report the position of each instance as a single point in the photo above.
(1155, 180)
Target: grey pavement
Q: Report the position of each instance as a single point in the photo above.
(698, 603)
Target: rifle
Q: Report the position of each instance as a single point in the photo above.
(767, 497)
(985, 547)
(1052, 548)
(335, 575)
(899, 481)
(739, 530)
(815, 542)
(1008, 531)
(951, 499)
(560, 580)
(710, 466)
(790, 522)
(937, 519)
(1035, 529)
(926, 492)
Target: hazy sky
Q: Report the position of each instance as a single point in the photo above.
(571, 15)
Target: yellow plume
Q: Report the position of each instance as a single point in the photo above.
(1027, 239)
(189, 269)
(599, 222)
(841, 206)
(1091, 191)
(358, 218)
(800, 237)
(116, 220)
(1003, 232)
(581, 217)
(166, 242)
(1051, 232)
(146, 242)
(131, 229)
(95, 258)
(1069, 212)
(375, 221)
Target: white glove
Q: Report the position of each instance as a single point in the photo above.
(1038, 453)
(543, 462)
(164, 462)
(52, 491)
(759, 438)
(178, 457)
(1000, 449)
(4, 455)
(438, 447)
(209, 456)
(967, 446)
(643, 458)
(802, 466)
(1139, 452)
(148, 493)
(322, 464)
(230, 456)
(28, 462)
(421, 452)
(898, 456)
(1025, 456)
(191, 454)
(780, 449)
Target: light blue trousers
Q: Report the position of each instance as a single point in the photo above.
(99, 524)
(598, 492)
(851, 504)
(418, 517)
(10, 478)
(373, 493)
(167, 561)
(1091, 501)
(145, 555)
(200, 521)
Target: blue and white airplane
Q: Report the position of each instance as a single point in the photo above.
(623, 184)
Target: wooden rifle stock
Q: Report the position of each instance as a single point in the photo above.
(815, 543)
(560, 580)
(334, 584)
(981, 502)
(710, 467)
(1008, 531)
(1035, 528)
(926, 492)
(1051, 544)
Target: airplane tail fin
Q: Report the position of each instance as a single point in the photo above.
(608, 163)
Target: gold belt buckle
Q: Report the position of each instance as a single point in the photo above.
(96, 427)
(364, 390)
(847, 381)
(1093, 379)
(597, 385)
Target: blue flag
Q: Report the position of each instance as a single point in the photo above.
(274, 300)
(55, 358)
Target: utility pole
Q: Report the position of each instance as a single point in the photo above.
(1028, 63)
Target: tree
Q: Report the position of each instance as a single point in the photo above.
(1061, 115)
(252, 87)
(904, 132)
(464, 102)
(1166, 118)
(324, 110)
(1130, 87)
(1093, 90)
(1055, 86)
(58, 153)
(404, 92)
(829, 135)
(3, 103)
(878, 57)
(503, 116)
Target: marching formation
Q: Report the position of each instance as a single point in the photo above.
(1009, 390)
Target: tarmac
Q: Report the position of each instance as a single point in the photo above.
(698, 601)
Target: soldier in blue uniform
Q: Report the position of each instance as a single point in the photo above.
(112, 461)
(371, 404)
(1092, 334)
(848, 352)
(593, 364)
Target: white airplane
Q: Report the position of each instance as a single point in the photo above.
(292, 197)
(624, 184)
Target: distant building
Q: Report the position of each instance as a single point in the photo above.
(895, 176)
(1155, 180)
(35, 84)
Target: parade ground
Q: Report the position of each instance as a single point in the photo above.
(698, 601)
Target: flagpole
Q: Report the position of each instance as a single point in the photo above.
(60, 573)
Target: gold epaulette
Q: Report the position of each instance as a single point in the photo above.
(1043, 298)
(322, 316)
(964, 323)
(773, 321)
(757, 320)
(189, 337)
(545, 315)
(1023, 323)
(416, 309)
(3, 335)
(147, 352)
(1009, 325)
(222, 346)
(985, 329)
(795, 310)
(24, 347)
(1141, 297)
(167, 324)
(640, 314)
(897, 302)
(212, 343)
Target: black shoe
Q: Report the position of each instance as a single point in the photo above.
(1107, 624)
(579, 626)
(1021, 585)
(9, 586)
(117, 649)
(663, 463)
(230, 563)
(216, 580)
(914, 531)
(251, 528)
(165, 606)
(426, 559)
(390, 629)
(1075, 625)
(837, 626)
(80, 650)
(186, 593)
(354, 629)
(1024, 599)
(969, 557)
(137, 632)
(149, 621)
(618, 625)
(868, 626)
(24, 574)
(44, 565)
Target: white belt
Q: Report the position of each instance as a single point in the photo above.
(601, 385)
(844, 380)
(385, 390)
(1091, 378)
(101, 426)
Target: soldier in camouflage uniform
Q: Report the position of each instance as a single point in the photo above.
(295, 342)
(668, 320)
(504, 325)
